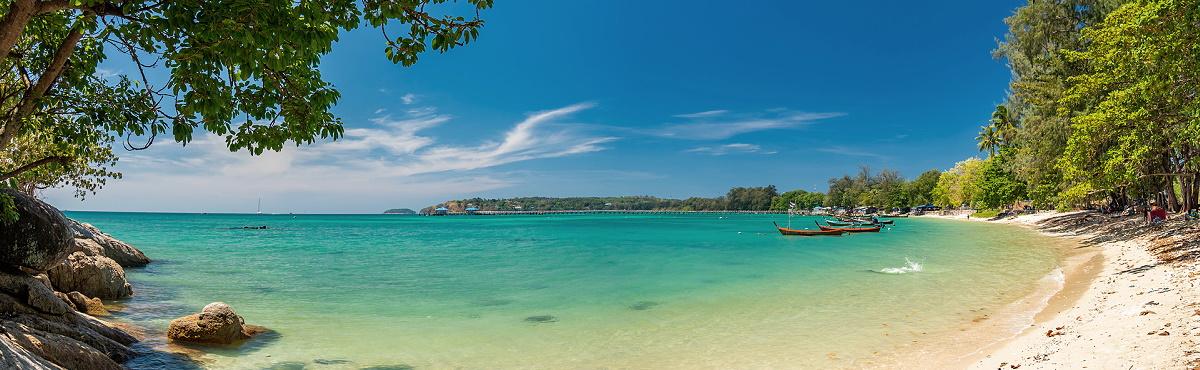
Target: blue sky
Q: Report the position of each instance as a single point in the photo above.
(572, 98)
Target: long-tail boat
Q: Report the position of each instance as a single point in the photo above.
(894, 216)
(851, 229)
(802, 232)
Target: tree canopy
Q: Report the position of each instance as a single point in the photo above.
(243, 70)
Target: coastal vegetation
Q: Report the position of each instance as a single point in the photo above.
(737, 199)
(245, 71)
(1102, 108)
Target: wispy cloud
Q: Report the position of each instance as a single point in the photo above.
(847, 151)
(704, 114)
(409, 99)
(735, 148)
(720, 125)
(393, 158)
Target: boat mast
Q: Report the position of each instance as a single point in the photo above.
(791, 210)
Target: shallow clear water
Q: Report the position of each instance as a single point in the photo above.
(578, 291)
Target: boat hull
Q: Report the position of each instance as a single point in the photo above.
(851, 229)
(802, 232)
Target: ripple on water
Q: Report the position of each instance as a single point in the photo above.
(289, 365)
(389, 367)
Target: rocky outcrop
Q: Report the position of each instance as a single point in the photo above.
(40, 330)
(94, 276)
(215, 324)
(94, 242)
(38, 239)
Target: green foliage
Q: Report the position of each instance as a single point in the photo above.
(886, 189)
(920, 190)
(959, 185)
(751, 199)
(1040, 33)
(998, 187)
(737, 199)
(1133, 112)
(804, 200)
(247, 71)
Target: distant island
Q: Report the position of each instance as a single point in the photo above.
(737, 199)
(399, 211)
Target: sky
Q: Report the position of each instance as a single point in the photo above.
(605, 98)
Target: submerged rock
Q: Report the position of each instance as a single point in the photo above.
(217, 323)
(38, 239)
(541, 319)
(94, 276)
(643, 305)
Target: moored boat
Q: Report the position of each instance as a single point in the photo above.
(874, 229)
(804, 232)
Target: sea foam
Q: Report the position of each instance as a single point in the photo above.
(910, 266)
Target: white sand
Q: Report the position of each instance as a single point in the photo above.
(1125, 317)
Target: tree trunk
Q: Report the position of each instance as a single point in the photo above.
(13, 24)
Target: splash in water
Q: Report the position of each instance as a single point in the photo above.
(910, 266)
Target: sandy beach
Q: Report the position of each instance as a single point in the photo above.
(1128, 300)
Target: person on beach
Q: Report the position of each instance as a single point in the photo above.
(1156, 215)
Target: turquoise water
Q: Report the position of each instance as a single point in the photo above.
(572, 291)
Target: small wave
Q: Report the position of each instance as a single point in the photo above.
(910, 266)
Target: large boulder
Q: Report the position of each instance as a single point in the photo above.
(94, 242)
(38, 239)
(94, 276)
(215, 324)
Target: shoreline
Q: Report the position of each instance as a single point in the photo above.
(1120, 306)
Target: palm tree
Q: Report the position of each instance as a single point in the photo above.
(988, 139)
(1005, 125)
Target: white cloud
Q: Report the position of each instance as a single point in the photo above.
(847, 151)
(707, 113)
(720, 125)
(408, 99)
(735, 148)
(391, 162)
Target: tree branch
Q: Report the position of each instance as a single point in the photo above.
(44, 83)
(63, 160)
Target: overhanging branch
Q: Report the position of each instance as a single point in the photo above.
(35, 164)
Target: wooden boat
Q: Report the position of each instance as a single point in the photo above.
(842, 223)
(894, 216)
(802, 232)
(851, 229)
(858, 222)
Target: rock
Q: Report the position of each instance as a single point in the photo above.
(29, 291)
(94, 276)
(541, 319)
(58, 349)
(217, 323)
(94, 242)
(38, 239)
(90, 306)
(65, 298)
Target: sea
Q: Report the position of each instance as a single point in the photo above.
(611, 291)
